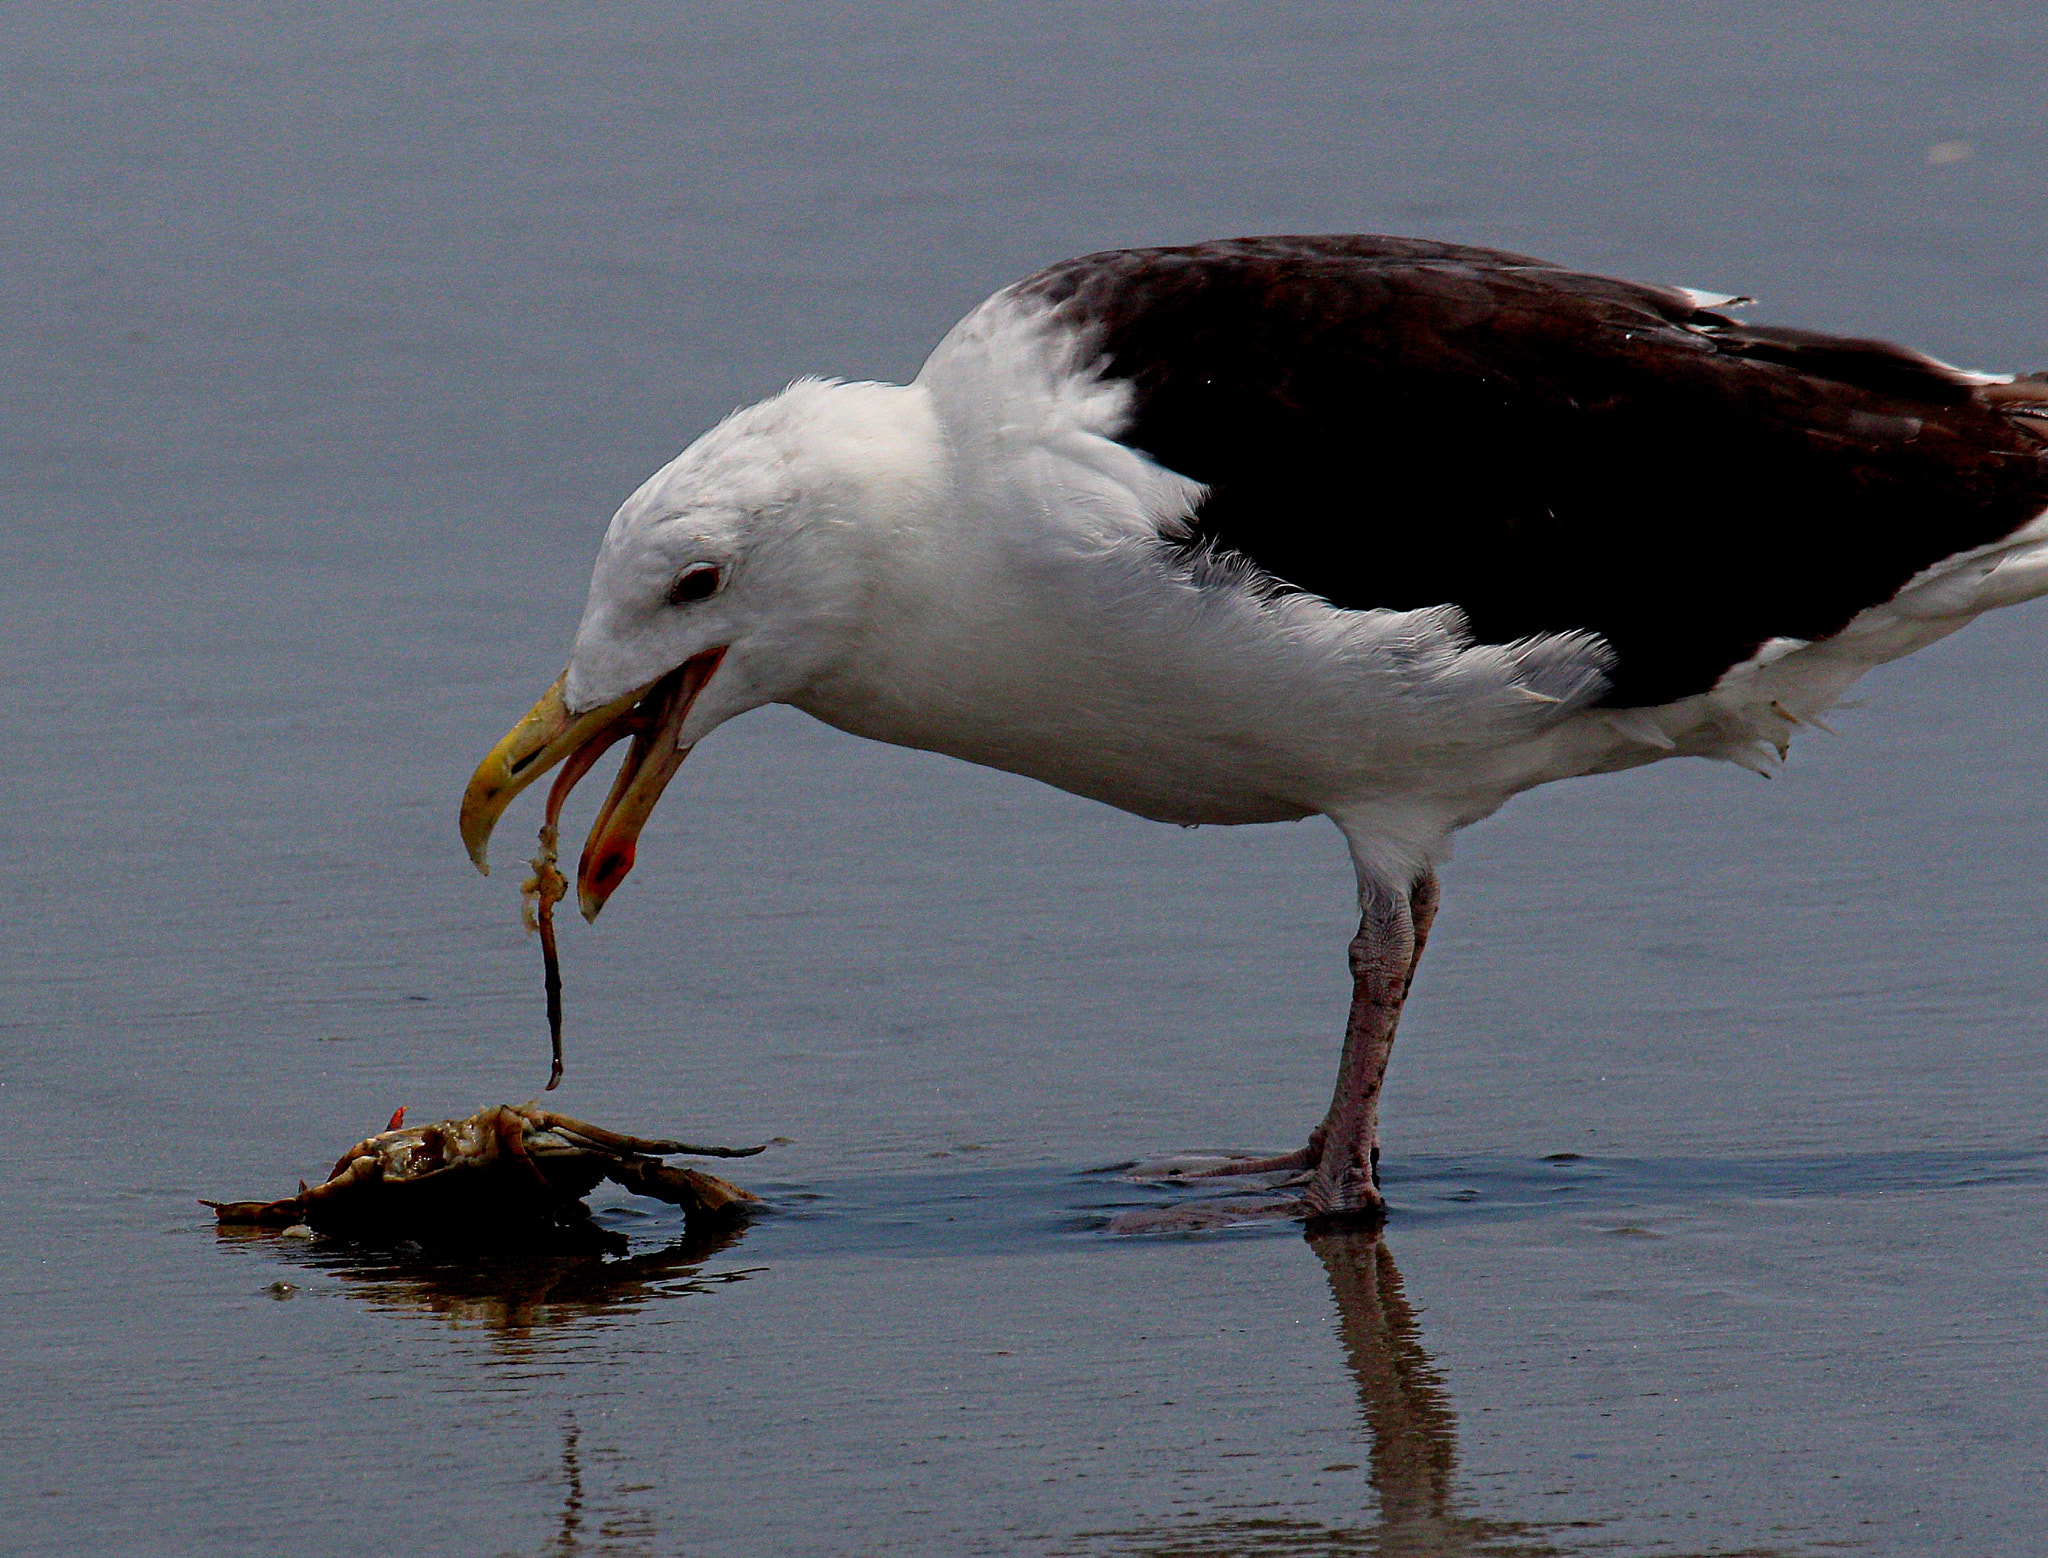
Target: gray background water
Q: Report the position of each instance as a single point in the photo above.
(333, 334)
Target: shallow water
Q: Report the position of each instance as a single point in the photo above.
(1715, 1131)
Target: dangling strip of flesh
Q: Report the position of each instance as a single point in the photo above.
(547, 886)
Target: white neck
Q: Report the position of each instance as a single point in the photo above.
(1018, 609)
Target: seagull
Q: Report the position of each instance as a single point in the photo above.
(1377, 529)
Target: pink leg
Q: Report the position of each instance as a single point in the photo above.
(1344, 1150)
(1392, 931)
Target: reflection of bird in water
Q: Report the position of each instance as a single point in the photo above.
(1375, 529)
(569, 1539)
(1402, 1406)
(515, 1294)
(1400, 1393)
(620, 1531)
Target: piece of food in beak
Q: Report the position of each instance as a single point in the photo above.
(653, 716)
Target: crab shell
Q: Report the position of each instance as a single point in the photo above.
(502, 1170)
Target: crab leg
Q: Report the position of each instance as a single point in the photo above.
(510, 1126)
(261, 1214)
(686, 1188)
(359, 1171)
(613, 1141)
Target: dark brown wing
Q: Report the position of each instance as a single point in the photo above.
(1389, 422)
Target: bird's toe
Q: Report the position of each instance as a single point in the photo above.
(1205, 1216)
(1346, 1192)
(1180, 1168)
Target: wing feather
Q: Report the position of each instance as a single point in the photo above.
(1403, 424)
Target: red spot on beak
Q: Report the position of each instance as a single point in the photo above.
(605, 867)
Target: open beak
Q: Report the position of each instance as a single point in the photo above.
(652, 715)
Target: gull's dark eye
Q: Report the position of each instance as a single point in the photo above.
(699, 581)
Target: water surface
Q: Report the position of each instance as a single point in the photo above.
(333, 335)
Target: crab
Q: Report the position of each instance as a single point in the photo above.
(506, 1172)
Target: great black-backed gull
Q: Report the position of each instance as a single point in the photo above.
(1375, 528)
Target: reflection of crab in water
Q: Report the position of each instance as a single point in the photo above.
(519, 1292)
(509, 1172)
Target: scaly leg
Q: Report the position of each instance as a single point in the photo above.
(1344, 1149)
(1383, 956)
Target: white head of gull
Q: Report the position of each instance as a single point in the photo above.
(1377, 529)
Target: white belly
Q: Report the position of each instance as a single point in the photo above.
(1118, 678)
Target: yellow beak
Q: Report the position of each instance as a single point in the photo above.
(543, 737)
(652, 715)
